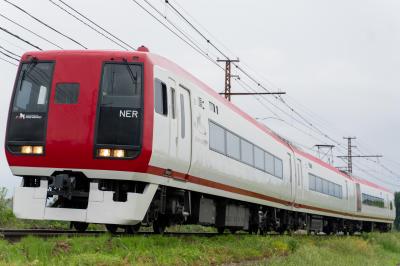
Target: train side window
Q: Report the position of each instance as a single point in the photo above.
(232, 145)
(278, 167)
(331, 189)
(258, 158)
(160, 97)
(311, 181)
(325, 188)
(269, 164)
(217, 138)
(318, 184)
(67, 93)
(173, 103)
(246, 149)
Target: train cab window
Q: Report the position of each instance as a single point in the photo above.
(67, 93)
(258, 158)
(217, 138)
(246, 152)
(278, 167)
(391, 205)
(160, 97)
(121, 85)
(232, 145)
(33, 86)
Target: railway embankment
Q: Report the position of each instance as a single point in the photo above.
(368, 249)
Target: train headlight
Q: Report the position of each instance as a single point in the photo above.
(26, 149)
(37, 149)
(118, 153)
(104, 152)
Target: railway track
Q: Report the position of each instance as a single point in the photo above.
(16, 234)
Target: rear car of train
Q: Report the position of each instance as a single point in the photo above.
(79, 134)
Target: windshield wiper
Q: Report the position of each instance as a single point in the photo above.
(133, 77)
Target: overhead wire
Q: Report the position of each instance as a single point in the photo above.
(5, 60)
(8, 51)
(97, 25)
(45, 24)
(34, 33)
(19, 38)
(91, 27)
(177, 35)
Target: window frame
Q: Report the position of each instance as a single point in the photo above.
(164, 97)
(69, 83)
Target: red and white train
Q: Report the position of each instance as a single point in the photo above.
(130, 138)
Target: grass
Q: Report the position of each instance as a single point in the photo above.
(369, 249)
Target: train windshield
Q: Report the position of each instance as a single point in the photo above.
(121, 85)
(33, 87)
(121, 106)
(28, 114)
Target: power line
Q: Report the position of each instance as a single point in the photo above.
(19, 38)
(97, 25)
(9, 56)
(91, 27)
(177, 35)
(8, 51)
(45, 24)
(5, 60)
(37, 35)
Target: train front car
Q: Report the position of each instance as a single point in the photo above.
(78, 135)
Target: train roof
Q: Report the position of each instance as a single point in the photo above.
(144, 53)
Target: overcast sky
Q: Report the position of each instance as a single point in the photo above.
(338, 62)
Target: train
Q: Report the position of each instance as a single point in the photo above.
(130, 139)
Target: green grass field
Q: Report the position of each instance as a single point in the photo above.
(369, 249)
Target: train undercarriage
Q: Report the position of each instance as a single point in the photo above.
(128, 205)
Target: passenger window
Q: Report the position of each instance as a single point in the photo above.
(182, 117)
(232, 145)
(278, 167)
(258, 158)
(217, 138)
(67, 93)
(269, 164)
(312, 182)
(160, 96)
(246, 152)
(173, 101)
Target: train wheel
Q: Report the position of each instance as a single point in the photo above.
(112, 228)
(132, 229)
(233, 230)
(80, 226)
(159, 227)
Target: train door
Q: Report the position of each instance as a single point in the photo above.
(292, 184)
(299, 177)
(358, 195)
(173, 120)
(184, 134)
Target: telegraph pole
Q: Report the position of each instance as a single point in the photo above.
(350, 156)
(228, 76)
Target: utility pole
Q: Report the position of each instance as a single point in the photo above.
(228, 76)
(350, 156)
(227, 93)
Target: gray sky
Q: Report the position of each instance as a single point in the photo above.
(337, 61)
